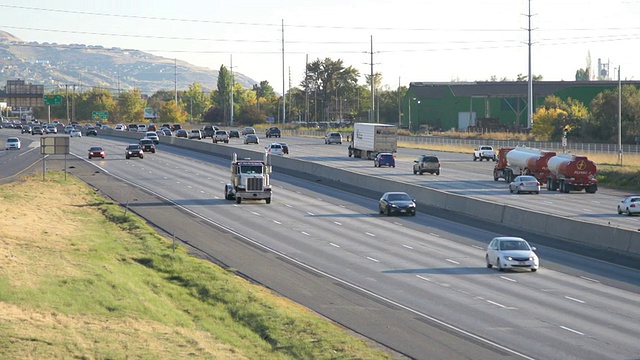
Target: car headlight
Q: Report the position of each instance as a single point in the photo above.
(394, 205)
(509, 258)
(412, 205)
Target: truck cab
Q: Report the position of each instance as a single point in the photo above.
(250, 180)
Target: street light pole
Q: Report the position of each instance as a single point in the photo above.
(619, 118)
(409, 122)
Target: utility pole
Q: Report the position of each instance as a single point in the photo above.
(306, 90)
(73, 103)
(619, 118)
(530, 77)
(283, 75)
(232, 83)
(66, 95)
(175, 80)
(373, 101)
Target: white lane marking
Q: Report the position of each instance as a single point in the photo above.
(574, 299)
(337, 223)
(166, 178)
(332, 244)
(452, 261)
(255, 213)
(508, 279)
(190, 187)
(310, 214)
(397, 223)
(287, 205)
(197, 174)
(432, 234)
(423, 278)
(590, 279)
(208, 178)
(304, 233)
(177, 182)
(372, 259)
(277, 222)
(370, 234)
(407, 246)
(477, 247)
(216, 197)
(318, 199)
(570, 329)
(202, 191)
(496, 304)
(342, 206)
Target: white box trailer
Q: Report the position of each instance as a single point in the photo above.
(370, 139)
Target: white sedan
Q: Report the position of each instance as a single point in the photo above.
(524, 183)
(13, 143)
(629, 205)
(275, 149)
(75, 133)
(511, 253)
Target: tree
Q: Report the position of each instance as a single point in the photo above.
(328, 82)
(195, 101)
(170, 112)
(130, 107)
(221, 98)
(574, 114)
(603, 123)
(545, 120)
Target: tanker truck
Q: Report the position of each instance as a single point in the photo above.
(569, 172)
(522, 160)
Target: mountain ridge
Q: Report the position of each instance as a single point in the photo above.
(55, 65)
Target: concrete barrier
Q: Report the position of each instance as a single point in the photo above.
(599, 236)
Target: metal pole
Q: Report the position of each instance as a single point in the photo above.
(232, 83)
(409, 123)
(283, 88)
(530, 78)
(373, 100)
(619, 118)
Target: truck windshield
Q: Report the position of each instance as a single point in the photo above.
(251, 169)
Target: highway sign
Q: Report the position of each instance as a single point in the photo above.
(100, 115)
(53, 99)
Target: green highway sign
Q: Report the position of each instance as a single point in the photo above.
(53, 99)
(100, 115)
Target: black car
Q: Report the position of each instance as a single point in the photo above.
(92, 131)
(134, 150)
(208, 131)
(397, 203)
(233, 133)
(147, 145)
(273, 132)
(25, 129)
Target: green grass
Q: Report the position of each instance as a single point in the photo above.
(106, 285)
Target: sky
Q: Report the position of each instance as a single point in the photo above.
(408, 40)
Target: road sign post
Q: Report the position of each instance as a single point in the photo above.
(53, 99)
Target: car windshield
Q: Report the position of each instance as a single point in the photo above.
(527, 178)
(514, 245)
(386, 156)
(134, 147)
(95, 149)
(251, 169)
(430, 159)
(398, 197)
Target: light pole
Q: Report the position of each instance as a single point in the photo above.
(619, 118)
(410, 112)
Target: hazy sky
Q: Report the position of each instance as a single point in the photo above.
(413, 40)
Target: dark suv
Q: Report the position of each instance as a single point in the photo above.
(273, 132)
(384, 159)
(134, 150)
(147, 145)
(208, 131)
(426, 163)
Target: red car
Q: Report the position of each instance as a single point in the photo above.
(96, 151)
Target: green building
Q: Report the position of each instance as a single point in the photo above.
(491, 104)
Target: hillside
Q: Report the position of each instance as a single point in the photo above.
(54, 65)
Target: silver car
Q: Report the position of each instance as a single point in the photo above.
(629, 205)
(251, 139)
(511, 253)
(524, 183)
(333, 138)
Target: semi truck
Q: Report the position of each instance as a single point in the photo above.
(570, 172)
(564, 172)
(369, 139)
(250, 180)
(522, 160)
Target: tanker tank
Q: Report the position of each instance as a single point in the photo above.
(570, 172)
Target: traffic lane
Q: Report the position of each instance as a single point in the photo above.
(347, 306)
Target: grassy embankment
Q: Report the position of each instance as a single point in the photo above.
(79, 279)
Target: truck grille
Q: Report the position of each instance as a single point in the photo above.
(254, 184)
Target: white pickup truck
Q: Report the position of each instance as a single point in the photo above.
(220, 136)
(484, 152)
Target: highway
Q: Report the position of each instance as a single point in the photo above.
(429, 268)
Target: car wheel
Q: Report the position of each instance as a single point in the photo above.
(238, 200)
(518, 192)
(413, 213)
(380, 210)
(414, 172)
(89, 156)
(475, 158)
(488, 262)
(510, 190)
(421, 172)
(628, 212)
(141, 157)
(619, 210)
(268, 200)
(388, 212)
(437, 172)
(498, 265)
(537, 192)
(127, 157)
(534, 270)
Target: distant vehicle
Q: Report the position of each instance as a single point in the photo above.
(220, 136)
(371, 139)
(285, 147)
(248, 130)
(142, 127)
(233, 133)
(524, 183)
(426, 163)
(96, 151)
(208, 131)
(195, 134)
(13, 143)
(273, 132)
(134, 150)
(133, 127)
(147, 145)
(167, 131)
(75, 133)
(92, 131)
(51, 129)
(68, 128)
(629, 205)
(397, 202)
(176, 127)
(384, 159)
(26, 129)
(182, 133)
(511, 253)
(333, 138)
(251, 139)
(119, 127)
(152, 127)
(249, 180)
(37, 130)
(484, 152)
(275, 149)
(153, 136)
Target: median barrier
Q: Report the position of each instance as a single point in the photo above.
(634, 242)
